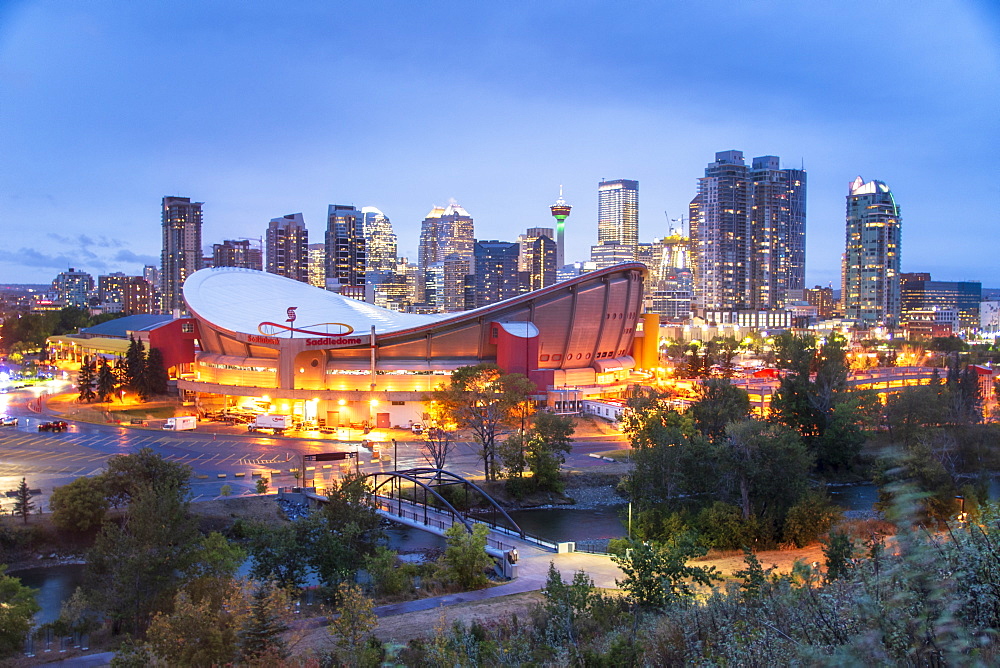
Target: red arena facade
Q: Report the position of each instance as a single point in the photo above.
(338, 361)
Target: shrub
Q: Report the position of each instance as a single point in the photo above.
(811, 517)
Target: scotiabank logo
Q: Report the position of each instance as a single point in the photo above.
(334, 341)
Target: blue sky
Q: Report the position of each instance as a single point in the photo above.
(259, 109)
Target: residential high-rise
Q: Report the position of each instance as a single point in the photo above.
(139, 294)
(236, 253)
(871, 290)
(111, 288)
(447, 235)
(777, 232)
(720, 235)
(560, 211)
(287, 244)
(496, 271)
(73, 287)
(346, 251)
(317, 265)
(181, 254)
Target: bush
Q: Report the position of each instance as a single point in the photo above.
(722, 526)
(80, 505)
(808, 519)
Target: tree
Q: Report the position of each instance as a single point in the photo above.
(549, 440)
(657, 574)
(485, 401)
(261, 485)
(465, 558)
(260, 641)
(127, 475)
(437, 446)
(106, 383)
(85, 381)
(155, 377)
(17, 611)
(23, 505)
(135, 568)
(135, 366)
(79, 505)
(193, 633)
(719, 403)
(566, 603)
(354, 622)
(770, 467)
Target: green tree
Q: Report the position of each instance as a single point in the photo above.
(214, 564)
(838, 550)
(85, 381)
(548, 443)
(354, 622)
(657, 574)
(485, 401)
(260, 639)
(770, 466)
(567, 603)
(79, 505)
(23, 505)
(17, 610)
(136, 566)
(719, 403)
(125, 476)
(155, 378)
(135, 366)
(261, 486)
(283, 553)
(106, 383)
(465, 559)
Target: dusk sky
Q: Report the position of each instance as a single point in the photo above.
(262, 109)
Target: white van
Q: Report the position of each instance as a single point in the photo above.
(181, 423)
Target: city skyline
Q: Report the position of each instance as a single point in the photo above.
(84, 116)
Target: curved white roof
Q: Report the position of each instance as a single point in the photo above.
(241, 300)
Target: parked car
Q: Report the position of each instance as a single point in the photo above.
(417, 428)
(8, 421)
(56, 425)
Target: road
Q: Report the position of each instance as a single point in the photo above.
(221, 456)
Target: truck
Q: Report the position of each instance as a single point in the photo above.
(276, 423)
(181, 423)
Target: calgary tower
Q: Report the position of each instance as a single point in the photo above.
(560, 211)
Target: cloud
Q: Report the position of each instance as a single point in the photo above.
(84, 241)
(30, 257)
(126, 255)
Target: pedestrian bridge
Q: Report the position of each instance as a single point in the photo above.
(425, 498)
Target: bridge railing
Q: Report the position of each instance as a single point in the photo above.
(416, 512)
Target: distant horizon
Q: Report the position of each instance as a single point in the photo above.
(259, 112)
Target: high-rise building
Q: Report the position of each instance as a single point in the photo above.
(777, 232)
(381, 240)
(537, 261)
(618, 213)
(111, 288)
(317, 265)
(447, 235)
(720, 235)
(560, 211)
(139, 296)
(73, 287)
(871, 290)
(236, 253)
(287, 244)
(496, 271)
(181, 254)
(346, 251)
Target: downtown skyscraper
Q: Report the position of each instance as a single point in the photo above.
(870, 288)
(617, 222)
(287, 246)
(346, 251)
(748, 229)
(445, 258)
(181, 252)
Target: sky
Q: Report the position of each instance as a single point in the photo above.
(260, 109)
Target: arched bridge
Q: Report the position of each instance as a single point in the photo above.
(427, 497)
